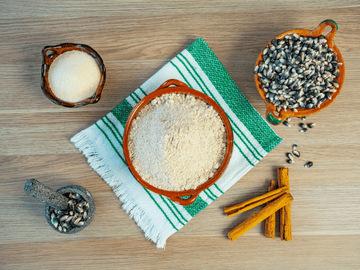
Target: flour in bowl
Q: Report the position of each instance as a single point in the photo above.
(177, 142)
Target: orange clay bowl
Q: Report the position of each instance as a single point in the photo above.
(180, 88)
(271, 114)
(49, 55)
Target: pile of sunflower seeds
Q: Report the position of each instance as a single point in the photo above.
(74, 216)
(298, 72)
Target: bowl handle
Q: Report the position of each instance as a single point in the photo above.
(48, 53)
(170, 82)
(184, 202)
(321, 27)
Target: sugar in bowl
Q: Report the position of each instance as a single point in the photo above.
(72, 75)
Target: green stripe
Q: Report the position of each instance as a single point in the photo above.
(227, 88)
(177, 210)
(209, 93)
(207, 194)
(112, 132)
(106, 136)
(115, 128)
(136, 96)
(248, 160)
(122, 112)
(172, 211)
(187, 82)
(143, 91)
(131, 95)
(160, 208)
(218, 188)
(212, 193)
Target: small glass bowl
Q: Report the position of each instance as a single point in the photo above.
(49, 55)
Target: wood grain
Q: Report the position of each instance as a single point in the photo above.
(135, 39)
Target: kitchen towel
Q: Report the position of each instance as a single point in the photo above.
(156, 215)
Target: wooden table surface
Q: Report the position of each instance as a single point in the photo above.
(135, 39)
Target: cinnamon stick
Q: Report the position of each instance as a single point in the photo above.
(252, 203)
(285, 212)
(259, 216)
(270, 222)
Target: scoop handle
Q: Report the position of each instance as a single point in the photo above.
(184, 202)
(45, 194)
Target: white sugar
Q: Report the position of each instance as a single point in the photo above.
(74, 76)
(177, 142)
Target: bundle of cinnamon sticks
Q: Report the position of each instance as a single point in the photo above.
(276, 199)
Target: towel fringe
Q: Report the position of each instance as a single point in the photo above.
(88, 149)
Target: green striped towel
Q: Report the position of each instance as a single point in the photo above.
(156, 215)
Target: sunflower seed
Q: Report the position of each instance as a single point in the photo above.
(302, 125)
(289, 156)
(303, 130)
(60, 228)
(290, 161)
(296, 153)
(311, 125)
(65, 217)
(81, 223)
(286, 123)
(256, 69)
(308, 165)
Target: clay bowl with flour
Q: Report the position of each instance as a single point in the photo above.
(178, 87)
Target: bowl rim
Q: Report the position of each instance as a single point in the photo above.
(174, 195)
(282, 115)
(50, 53)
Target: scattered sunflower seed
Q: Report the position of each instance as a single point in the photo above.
(289, 156)
(286, 123)
(303, 130)
(308, 165)
(303, 118)
(290, 161)
(294, 146)
(302, 125)
(311, 125)
(296, 153)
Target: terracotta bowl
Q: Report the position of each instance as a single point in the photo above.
(181, 88)
(49, 55)
(271, 114)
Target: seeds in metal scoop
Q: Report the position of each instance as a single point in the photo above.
(289, 156)
(294, 146)
(286, 123)
(303, 130)
(296, 153)
(82, 204)
(308, 165)
(311, 125)
(290, 161)
(60, 228)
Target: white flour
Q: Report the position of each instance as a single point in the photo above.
(177, 142)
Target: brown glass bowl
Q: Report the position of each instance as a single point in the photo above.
(276, 118)
(49, 55)
(179, 88)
